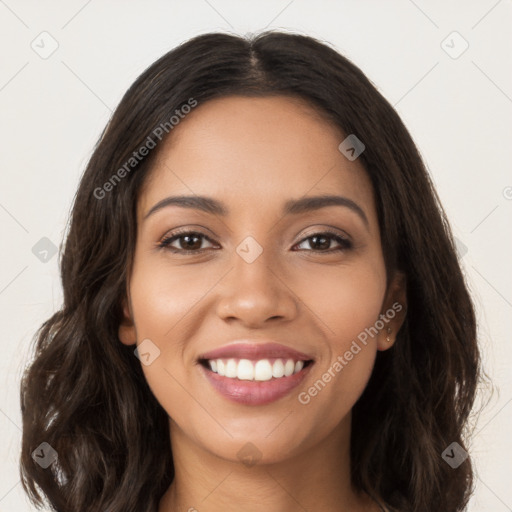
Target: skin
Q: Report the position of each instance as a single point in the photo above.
(253, 154)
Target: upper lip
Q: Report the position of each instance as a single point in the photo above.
(249, 349)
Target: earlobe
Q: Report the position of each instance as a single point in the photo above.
(393, 312)
(126, 332)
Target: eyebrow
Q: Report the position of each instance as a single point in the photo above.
(291, 207)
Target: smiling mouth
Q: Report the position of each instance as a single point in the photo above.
(260, 370)
(254, 373)
(255, 382)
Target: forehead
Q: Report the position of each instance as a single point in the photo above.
(254, 152)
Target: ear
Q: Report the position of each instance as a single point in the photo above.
(127, 334)
(394, 310)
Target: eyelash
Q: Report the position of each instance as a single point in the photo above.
(345, 243)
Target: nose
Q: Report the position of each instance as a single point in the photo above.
(255, 293)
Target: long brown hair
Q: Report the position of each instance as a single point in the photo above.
(84, 392)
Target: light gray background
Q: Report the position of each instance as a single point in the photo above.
(458, 110)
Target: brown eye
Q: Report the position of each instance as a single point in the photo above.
(321, 242)
(187, 242)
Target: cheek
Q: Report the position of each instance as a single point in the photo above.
(336, 388)
(348, 305)
(163, 297)
(163, 304)
(344, 300)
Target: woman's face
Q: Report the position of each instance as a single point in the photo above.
(257, 274)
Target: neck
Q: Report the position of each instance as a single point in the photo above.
(316, 479)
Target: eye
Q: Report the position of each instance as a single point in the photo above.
(189, 242)
(321, 241)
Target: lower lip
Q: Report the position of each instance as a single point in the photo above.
(255, 392)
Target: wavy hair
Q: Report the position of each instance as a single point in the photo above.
(84, 393)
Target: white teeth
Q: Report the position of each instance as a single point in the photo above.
(289, 368)
(262, 370)
(245, 370)
(278, 368)
(231, 369)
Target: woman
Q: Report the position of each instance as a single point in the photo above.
(263, 306)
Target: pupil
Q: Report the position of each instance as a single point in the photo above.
(324, 245)
(189, 241)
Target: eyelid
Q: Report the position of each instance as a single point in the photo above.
(189, 228)
(327, 229)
